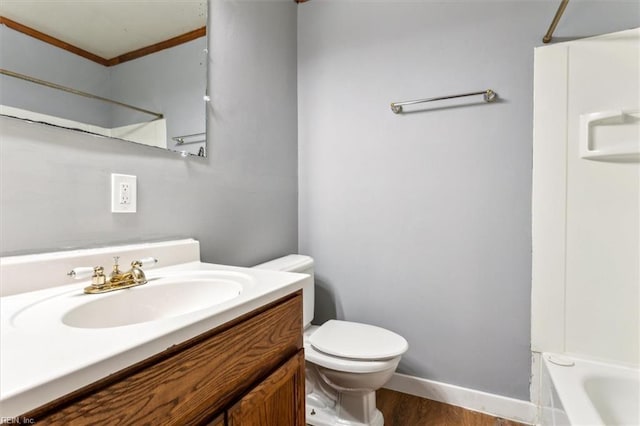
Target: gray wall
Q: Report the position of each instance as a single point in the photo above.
(421, 222)
(241, 202)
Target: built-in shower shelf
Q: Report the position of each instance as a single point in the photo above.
(610, 135)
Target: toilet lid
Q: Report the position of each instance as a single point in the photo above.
(357, 341)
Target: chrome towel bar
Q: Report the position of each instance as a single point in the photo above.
(193, 138)
(489, 96)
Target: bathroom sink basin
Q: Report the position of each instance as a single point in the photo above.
(152, 302)
(161, 298)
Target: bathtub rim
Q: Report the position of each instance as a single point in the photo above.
(575, 401)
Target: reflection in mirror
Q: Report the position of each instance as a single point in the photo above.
(133, 70)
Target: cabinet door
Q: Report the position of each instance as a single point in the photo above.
(276, 401)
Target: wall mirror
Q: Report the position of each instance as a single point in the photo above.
(133, 70)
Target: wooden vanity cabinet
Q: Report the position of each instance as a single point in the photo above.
(248, 372)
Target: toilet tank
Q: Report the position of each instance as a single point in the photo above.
(301, 264)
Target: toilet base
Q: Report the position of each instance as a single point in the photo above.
(357, 409)
(327, 417)
(346, 404)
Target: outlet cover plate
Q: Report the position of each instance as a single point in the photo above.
(123, 202)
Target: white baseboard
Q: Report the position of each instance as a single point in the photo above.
(470, 399)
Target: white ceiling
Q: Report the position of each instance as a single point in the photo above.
(108, 28)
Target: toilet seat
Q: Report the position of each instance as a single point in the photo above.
(357, 341)
(364, 348)
(347, 365)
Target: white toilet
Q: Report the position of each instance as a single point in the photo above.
(346, 362)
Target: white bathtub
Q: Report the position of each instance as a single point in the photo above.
(588, 393)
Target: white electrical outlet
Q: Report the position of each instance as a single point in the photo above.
(123, 193)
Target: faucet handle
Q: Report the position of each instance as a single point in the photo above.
(82, 272)
(98, 279)
(146, 262)
(136, 271)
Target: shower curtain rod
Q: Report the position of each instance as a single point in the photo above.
(549, 35)
(75, 92)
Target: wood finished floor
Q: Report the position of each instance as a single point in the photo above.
(400, 409)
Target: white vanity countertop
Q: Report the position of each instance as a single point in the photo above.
(42, 362)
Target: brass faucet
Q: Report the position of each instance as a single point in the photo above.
(117, 280)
